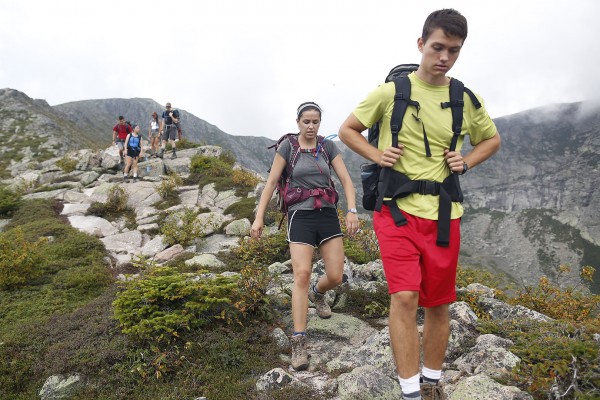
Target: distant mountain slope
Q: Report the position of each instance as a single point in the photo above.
(541, 192)
(31, 130)
(532, 207)
(97, 117)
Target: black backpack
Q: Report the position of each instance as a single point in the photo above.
(380, 182)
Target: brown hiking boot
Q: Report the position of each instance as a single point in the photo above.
(299, 353)
(432, 391)
(323, 309)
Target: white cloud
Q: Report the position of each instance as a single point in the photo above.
(246, 65)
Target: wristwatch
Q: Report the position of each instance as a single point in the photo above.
(465, 168)
(353, 210)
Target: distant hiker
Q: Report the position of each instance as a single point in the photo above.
(418, 210)
(133, 143)
(120, 132)
(312, 217)
(168, 129)
(154, 135)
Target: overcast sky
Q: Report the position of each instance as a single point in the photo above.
(246, 65)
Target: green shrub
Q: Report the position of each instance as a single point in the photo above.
(115, 205)
(83, 280)
(34, 211)
(568, 304)
(245, 181)
(9, 201)
(242, 209)
(252, 293)
(168, 187)
(556, 354)
(67, 164)
(19, 259)
(163, 303)
(182, 227)
(183, 144)
(210, 166)
(228, 158)
(363, 246)
(263, 252)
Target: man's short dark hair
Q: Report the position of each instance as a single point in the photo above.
(451, 21)
(121, 118)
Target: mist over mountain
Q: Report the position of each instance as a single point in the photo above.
(532, 207)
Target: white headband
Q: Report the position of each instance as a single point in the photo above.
(303, 106)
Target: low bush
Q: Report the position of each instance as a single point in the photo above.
(244, 181)
(362, 247)
(168, 187)
(115, 205)
(263, 252)
(252, 299)
(34, 211)
(242, 209)
(368, 305)
(210, 166)
(568, 303)
(163, 303)
(557, 357)
(67, 164)
(9, 201)
(19, 259)
(182, 227)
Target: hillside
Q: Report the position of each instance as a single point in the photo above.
(149, 288)
(528, 210)
(536, 203)
(97, 117)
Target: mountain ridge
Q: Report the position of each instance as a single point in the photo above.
(529, 209)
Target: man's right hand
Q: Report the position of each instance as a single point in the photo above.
(391, 155)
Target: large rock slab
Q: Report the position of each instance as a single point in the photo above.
(124, 243)
(93, 225)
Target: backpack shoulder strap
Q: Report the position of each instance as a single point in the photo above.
(457, 91)
(456, 103)
(294, 154)
(321, 146)
(401, 102)
(474, 98)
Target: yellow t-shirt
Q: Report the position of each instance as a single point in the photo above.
(438, 126)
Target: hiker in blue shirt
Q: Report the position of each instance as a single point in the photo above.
(133, 144)
(312, 217)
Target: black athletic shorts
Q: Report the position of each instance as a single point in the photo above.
(133, 153)
(313, 227)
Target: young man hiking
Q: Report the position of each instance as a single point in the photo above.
(419, 265)
(120, 132)
(168, 129)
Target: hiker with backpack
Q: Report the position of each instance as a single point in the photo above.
(422, 119)
(120, 132)
(133, 143)
(168, 129)
(305, 160)
(154, 135)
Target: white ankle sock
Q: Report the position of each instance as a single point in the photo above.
(432, 375)
(410, 385)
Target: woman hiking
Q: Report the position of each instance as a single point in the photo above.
(133, 144)
(312, 218)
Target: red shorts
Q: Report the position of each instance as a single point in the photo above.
(413, 262)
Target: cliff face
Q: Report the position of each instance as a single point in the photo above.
(536, 205)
